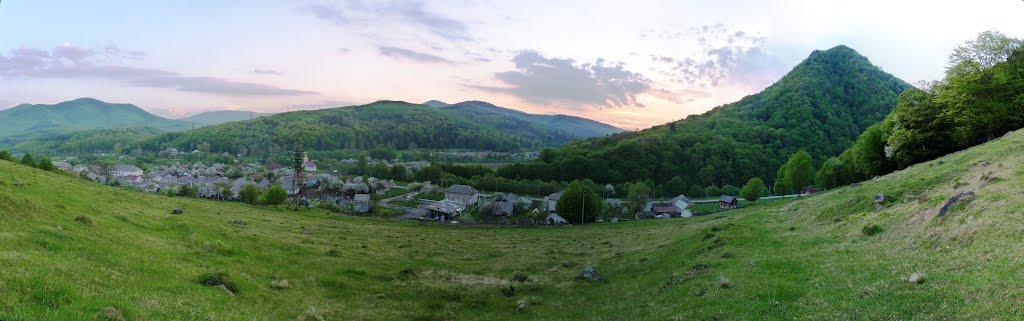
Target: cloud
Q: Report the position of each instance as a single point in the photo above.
(736, 57)
(552, 80)
(328, 13)
(411, 12)
(407, 54)
(68, 61)
(267, 72)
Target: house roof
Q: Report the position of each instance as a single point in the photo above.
(504, 207)
(555, 196)
(461, 189)
(555, 217)
(361, 197)
(681, 197)
(125, 168)
(727, 199)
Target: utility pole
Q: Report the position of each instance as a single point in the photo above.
(297, 181)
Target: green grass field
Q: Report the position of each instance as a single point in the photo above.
(74, 250)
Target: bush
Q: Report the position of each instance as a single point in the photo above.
(275, 195)
(218, 279)
(753, 190)
(250, 193)
(871, 229)
(85, 220)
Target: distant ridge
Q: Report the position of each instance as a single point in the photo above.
(220, 117)
(398, 125)
(26, 121)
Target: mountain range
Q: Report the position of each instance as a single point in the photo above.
(393, 124)
(88, 117)
(821, 106)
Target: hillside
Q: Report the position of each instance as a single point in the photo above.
(86, 141)
(29, 121)
(220, 117)
(397, 125)
(74, 250)
(821, 106)
(576, 127)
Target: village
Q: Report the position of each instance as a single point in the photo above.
(424, 201)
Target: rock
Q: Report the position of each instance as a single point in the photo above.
(568, 264)
(724, 282)
(177, 211)
(916, 278)
(956, 199)
(59, 227)
(590, 274)
(225, 288)
(308, 232)
(520, 277)
(879, 198)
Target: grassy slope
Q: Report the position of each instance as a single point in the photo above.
(805, 259)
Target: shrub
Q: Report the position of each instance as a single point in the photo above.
(275, 195)
(871, 229)
(85, 220)
(250, 193)
(218, 279)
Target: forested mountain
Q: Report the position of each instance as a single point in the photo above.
(820, 106)
(220, 117)
(980, 98)
(391, 124)
(87, 141)
(29, 121)
(488, 113)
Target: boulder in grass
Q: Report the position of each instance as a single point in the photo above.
(956, 199)
(177, 211)
(915, 278)
(590, 274)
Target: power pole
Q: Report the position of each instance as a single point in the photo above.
(297, 180)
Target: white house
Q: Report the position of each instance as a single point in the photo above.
(123, 170)
(464, 194)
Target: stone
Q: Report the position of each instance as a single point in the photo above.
(916, 278)
(177, 211)
(590, 274)
(879, 198)
(956, 199)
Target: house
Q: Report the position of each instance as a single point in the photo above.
(464, 194)
(726, 202)
(444, 210)
(64, 166)
(551, 201)
(675, 207)
(123, 170)
(361, 203)
(554, 219)
(308, 165)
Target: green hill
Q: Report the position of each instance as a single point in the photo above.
(75, 250)
(220, 117)
(86, 141)
(512, 120)
(392, 124)
(821, 106)
(28, 121)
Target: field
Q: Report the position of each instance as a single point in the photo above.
(74, 250)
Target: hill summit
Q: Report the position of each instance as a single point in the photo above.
(820, 106)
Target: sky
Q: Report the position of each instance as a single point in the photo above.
(632, 64)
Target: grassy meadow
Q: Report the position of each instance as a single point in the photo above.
(75, 250)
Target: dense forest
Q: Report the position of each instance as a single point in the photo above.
(114, 140)
(388, 124)
(28, 122)
(980, 98)
(821, 106)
